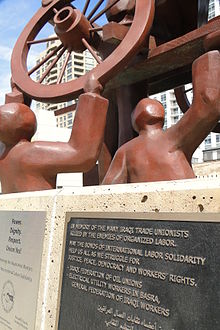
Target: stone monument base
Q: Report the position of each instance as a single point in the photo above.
(137, 256)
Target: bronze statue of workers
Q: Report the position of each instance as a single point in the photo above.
(28, 166)
(157, 155)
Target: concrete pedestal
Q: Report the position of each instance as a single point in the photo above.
(195, 200)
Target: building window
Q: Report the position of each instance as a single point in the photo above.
(208, 139)
(165, 124)
(207, 156)
(175, 111)
(53, 108)
(78, 63)
(78, 69)
(78, 57)
(195, 160)
(163, 98)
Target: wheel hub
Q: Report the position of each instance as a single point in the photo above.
(71, 26)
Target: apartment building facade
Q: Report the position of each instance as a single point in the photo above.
(78, 64)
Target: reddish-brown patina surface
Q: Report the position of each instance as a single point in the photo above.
(143, 49)
(157, 155)
(28, 166)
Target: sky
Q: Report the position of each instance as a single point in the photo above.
(17, 13)
(14, 15)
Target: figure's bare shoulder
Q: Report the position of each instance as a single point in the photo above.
(23, 153)
(121, 152)
(117, 172)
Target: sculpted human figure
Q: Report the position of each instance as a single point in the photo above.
(28, 166)
(123, 99)
(156, 154)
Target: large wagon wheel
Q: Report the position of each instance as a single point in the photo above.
(77, 31)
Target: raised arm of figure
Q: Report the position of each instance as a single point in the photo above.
(82, 150)
(117, 172)
(204, 112)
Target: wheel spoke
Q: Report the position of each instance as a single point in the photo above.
(49, 68)
(41, 40)
(96, 29)
(100, 2)
(64, 67)
(45, 59)
(86, 7)
(103, 11)
(90, 49)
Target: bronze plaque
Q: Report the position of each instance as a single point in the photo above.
(140, 274)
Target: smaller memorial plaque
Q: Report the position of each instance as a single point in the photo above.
(21, 244)
(140, 274)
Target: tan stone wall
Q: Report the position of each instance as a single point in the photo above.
(207, 169)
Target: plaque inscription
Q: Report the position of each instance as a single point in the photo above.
(138, 274)
(21, 244)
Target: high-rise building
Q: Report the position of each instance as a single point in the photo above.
(78, 65)
(210, 147)
(214, 8)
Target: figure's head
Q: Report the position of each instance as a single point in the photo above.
(148, 112)
(17, 122)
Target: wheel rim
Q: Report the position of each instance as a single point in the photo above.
(184, 104)
(116, 61)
